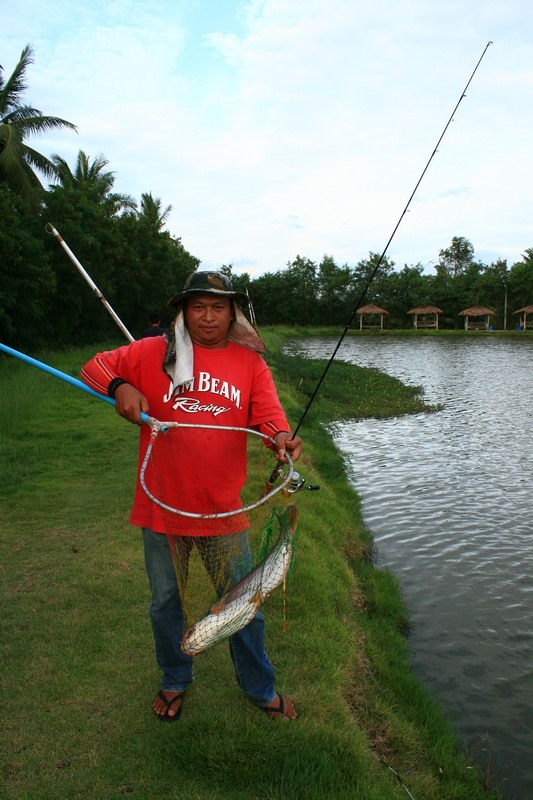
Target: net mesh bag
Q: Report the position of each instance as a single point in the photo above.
(232, 525)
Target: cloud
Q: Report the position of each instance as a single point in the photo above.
(285, 127)
(457, 191)
(294, 222)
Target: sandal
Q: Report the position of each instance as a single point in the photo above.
(275, 713)
(169, 703)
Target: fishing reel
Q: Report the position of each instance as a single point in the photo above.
(296, 482)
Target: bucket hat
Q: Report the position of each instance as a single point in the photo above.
(208, 283)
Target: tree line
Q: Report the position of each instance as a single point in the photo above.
(43, 299)
(311, 293)
(122, 244)
(137, 264)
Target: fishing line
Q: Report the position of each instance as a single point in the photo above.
(274, 474)
(380, 261)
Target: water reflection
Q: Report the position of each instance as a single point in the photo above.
(449, 499)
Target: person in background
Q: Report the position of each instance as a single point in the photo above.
(155, 328)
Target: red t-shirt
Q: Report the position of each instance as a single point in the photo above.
(201, 471)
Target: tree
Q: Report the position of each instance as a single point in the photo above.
(375, 286)
(457, 282)
(333, 285)
(521, 282)
(28, 284)
(150, 266)
(135, 265)
(494, 290)
(90, 180)
(152, 211)
(17, 122)
(455, 259)
(81, 204)
(300, 291)
(266, 292)
(404, 290)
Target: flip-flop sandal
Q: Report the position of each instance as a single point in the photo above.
(169, 703)
(274, 712)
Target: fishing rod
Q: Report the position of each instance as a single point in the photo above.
(67, 378)
(50, 229)
(291, 481)
(380, 261)
(251, 309)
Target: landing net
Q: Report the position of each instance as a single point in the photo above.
(233, 530)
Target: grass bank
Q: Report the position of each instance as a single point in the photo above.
(420, 332)
(78, 669)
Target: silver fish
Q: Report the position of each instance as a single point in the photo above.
(238, 606)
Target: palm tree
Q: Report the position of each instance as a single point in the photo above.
(17, 160)
(92, 180)
(152, 211)
(85, 174)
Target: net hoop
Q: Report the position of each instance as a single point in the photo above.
(158, 427)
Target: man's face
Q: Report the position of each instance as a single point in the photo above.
(208, 317)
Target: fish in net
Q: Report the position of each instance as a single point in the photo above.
(232, 535)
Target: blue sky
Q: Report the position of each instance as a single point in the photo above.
(278, 128)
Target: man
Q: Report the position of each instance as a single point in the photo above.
(184, 376)
(155, 328)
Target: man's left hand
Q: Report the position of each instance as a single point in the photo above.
(286, 441)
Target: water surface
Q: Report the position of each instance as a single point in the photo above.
(448, 497)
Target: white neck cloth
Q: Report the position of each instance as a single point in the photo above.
(241, 332)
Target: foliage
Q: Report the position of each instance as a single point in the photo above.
(90, 180)
(17, 122)
(306, 293)
(521, 281)
(152, 211)
(28, 282)
(135, 265)
(456, 258)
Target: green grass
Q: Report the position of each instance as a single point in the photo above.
(78, 668)
(348, 391)
(326, 330)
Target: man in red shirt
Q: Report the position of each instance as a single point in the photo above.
(208, 370)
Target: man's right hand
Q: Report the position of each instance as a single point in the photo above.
(129, 403)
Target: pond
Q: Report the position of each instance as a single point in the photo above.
(449, 499)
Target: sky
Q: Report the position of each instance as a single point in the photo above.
(285, 128)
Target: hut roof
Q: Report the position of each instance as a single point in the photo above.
(476, 311)
(371, 309)
(426, 310)
(525, 310)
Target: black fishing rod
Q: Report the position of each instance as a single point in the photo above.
(380, 261)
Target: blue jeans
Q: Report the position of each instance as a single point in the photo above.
(254, 672)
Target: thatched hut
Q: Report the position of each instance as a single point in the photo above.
(477, 318)
(426, 316)
(524, 324)
(374, 316)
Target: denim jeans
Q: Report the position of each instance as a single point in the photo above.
(254, 672)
